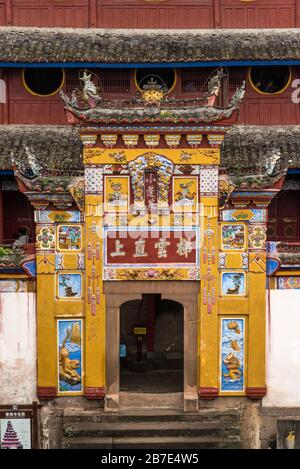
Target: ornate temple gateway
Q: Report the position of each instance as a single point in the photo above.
(155, 218)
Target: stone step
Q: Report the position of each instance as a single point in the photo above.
(72, 415)
(200, 442)
(138, 400)
(149, 428)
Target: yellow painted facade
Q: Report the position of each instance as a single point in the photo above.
(229, 251)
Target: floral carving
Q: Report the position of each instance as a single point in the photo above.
(45, 238)
(257, 237)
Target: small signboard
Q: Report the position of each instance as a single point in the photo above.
(18, 426)
(15, 433)
(140, 330)
(122, 351)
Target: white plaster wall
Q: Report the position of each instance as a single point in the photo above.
(17, 348)
(283, 349)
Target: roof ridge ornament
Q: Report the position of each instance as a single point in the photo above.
(153, 104)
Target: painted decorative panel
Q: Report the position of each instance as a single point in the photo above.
(68, 261)
(69, 237)
(233, 260)
(93, 178)
(245, 260)
(233, 283)
(116, 193)
(209, 178)
(185, 193)
(151, 273)
(288, 283)
(49, 216)
(45, 238)
(222, 260)
(69, 355)
(257, 237)
(233, 237)
(69, 285)
(151, 162)
(232, 354)
(253, 215)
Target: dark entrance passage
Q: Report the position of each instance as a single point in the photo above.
(151, 345)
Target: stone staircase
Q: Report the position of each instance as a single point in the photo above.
(151, 429)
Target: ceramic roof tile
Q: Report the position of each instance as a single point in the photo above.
(19, 44)
(55, 147)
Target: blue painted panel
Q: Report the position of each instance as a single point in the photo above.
(70, 355)
(232, 354)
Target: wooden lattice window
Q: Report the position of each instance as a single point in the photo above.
(112, 81)
(72, 80)
(284, 217)
(115, 81)
(195, 79)
(236, 78)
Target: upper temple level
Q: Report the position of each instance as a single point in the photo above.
(37, 64)
(151, 13)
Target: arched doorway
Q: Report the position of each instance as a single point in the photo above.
(185, 293)
(151, 345)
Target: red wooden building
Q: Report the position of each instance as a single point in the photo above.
(144, 14)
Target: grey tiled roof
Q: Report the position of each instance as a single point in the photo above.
(245, 152)
(33, 45)
(246, 147)
(54, 147)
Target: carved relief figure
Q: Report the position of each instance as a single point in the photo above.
(70, 358)
(116, 193)
(233, 283)
(232, 354)
(116, 197)
(232, 364)
(69, 285)
(164, 169)
(69, 237)
(233, 237)
(185, 192)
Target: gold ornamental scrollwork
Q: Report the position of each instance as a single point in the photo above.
(176, 155)
(90, 153)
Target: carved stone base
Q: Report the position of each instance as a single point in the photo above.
(94, 393)
(256, 393)
(46, 392)
(208, 393)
